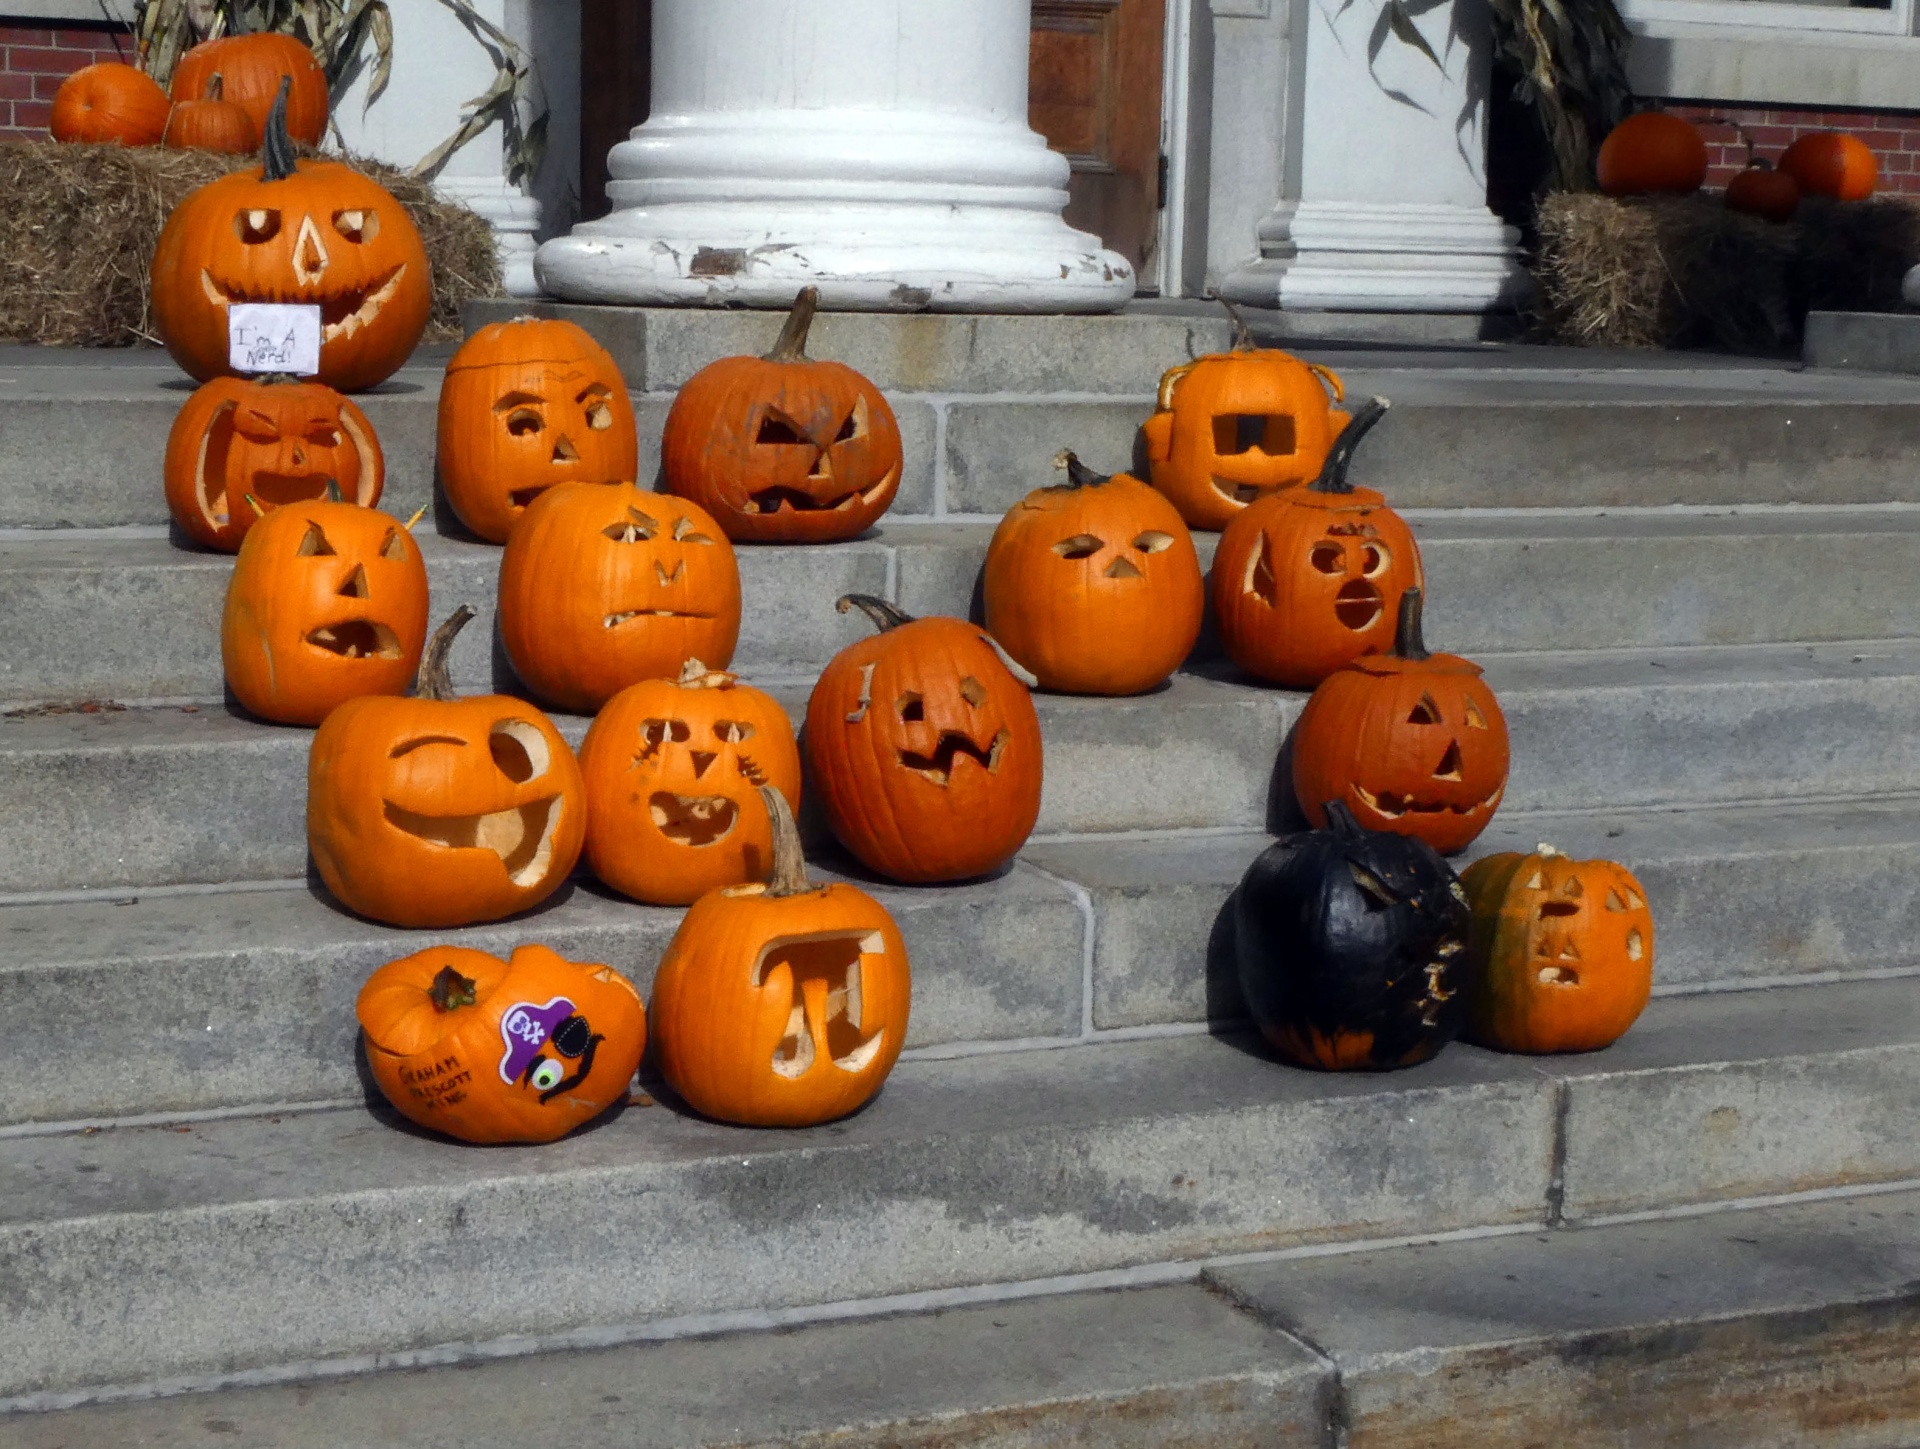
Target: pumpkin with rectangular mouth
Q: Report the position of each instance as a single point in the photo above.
(442, 811)
(781, 1004)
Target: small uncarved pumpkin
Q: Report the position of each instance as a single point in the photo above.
(783, 1004)
(522, 1050)
(672, 770)
(212, 124)
(1761, 191)
(110, 101)
(1652, 152)
(1562, 952)
(1832, 164)
(783, 448)
(253, 68)
(1094, 586)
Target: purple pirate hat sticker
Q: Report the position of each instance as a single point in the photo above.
(525, 1029)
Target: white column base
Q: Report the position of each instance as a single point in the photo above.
(514, 217)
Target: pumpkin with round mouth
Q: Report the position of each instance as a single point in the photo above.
(672, 767)
(327, 601)
(1234, 427)
(212, 123)
(303, 232)
(1304, 580)
(110, 101)
(1094, 585)
(485, 1050)
(602, 586)
(925, 748)
(255, 67)
(527, 404)
(783, 448)
(781, 1004)
(271, 440)
(442, 811)
(1562, 952)
(1413, 743)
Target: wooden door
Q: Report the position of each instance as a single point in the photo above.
(616, 79)
(1094, 93)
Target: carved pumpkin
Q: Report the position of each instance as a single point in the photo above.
(110, 101)
(1094, 586)
(1562, 952)
(603, 586)
(1832, 164)
(1351, 947)
(212, 124)
(527, 404)
(781, 448)
(1649, 153)
(312, 232)
(1232, 427)
(1306, 580)
(273, 440)
(522, 1050)
(440, 811)
(253, 68)
(925, 748)
(784, 1004)
(672, 769)
(1414, 743)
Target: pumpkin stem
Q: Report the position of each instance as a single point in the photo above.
(885, 616)
(255, 505)
(1340, 819)
(789, 874)
(450, 989)
(1333, 473)
(791, 345)
(433, 681)
(216, 87)
(334, 495)
(276, 148)
(1242, 334)
(1409, 639)
(1079, 475)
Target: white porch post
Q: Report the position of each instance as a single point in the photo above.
(878, 149)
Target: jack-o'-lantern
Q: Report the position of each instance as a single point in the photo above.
(110, 101)
(272, 440)
(1233, 427)
(925, 747)
(527, 404)
(1562, 952)
(211, 123)
(309, 232)
(1094, 586)
(783, 1004)
(1306, 579)
(1414, 743)
(672, 770)
(783, 448)
(602, 586)
(485, 1050)
(254, 68)
(441, 811)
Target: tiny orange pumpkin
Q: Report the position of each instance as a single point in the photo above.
(212, 123)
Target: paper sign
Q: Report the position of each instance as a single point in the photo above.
(273, 337)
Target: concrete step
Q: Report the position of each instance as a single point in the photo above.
(157, 1253)
(1086, 937)
(161, 796)
(1789, 1325)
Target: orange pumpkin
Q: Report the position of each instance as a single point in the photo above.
(1832, 164)
(1304, 579)
(212, 124)
(1413, 742)
(109, 101)
(603, 586)
(270, 440)
(527, 404)
(1761, 191)
(522, 1050)
(1233, 427)
(326, 602)
(781, 448)
(1561, 952)
(253, 68)
(440, 811)
(1652, 152)
(925, 748)
(784, 1004)
(312, 232)
(671, 768)
(1094, 586)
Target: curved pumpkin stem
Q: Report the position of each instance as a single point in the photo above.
(1333, 473)
(276, 147)
(450, 990)
(1242, 334)
(1079, 475)
(791, 345)
(885, 616)
(694, 674)
(334, 495)
(1409, 639)
(217, 87)
(789, 874)
(1340, 819)
(433, 681)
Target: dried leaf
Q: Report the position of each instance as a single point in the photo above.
(1407, 33)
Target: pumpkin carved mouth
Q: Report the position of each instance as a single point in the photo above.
(1236, 492)
(827, 1004)
(521, 836)
(952, 748)
(1357, 604)
(693, 820)
(1393, 806)
(614, 621)
(778, 499)
(342, 313)
(356, 639)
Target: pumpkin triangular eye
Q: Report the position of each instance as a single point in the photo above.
(1475, 719)
(391, 547)
(973, 691)
(637, 527)
(1154, 542)
(683, 531)
(1259, 579)
(1535, 881)
(1081, 545)
(856, 423)
(1573, 890)
(776, 429)
(315, 544)
(1426, 712)
(1379, 898)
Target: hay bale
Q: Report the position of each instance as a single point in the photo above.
(81, 222)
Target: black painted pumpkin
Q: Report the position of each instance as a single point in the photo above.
(1351, 946)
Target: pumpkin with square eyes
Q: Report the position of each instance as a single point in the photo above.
(783, 448)
(1304, 580)
(925, 748)
(672, 769)
(442, 811)
(602, 586)
(527, 404)
(272, 440)
(1562, 952)
(1094, 586)
(326, 602)
(1414, 743)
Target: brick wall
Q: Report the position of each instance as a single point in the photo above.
(1893, 136)
(34, 59)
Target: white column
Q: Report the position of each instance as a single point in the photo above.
(877, 149)
(1383, 202)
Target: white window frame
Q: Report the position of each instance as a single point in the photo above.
(1898, 19)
